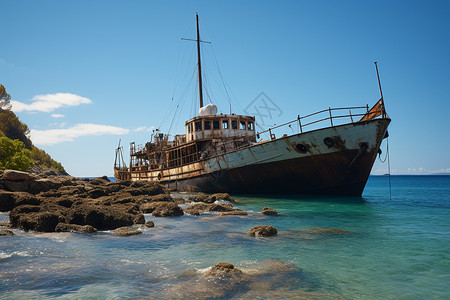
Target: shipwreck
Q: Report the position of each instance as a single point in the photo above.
(331, 153)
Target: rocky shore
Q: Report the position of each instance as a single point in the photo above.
(52, 202)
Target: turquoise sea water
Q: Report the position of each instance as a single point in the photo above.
(388, 249)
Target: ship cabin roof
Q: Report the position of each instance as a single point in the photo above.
(219, 127)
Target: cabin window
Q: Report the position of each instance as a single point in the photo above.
(207, 125)
(198, 126)
(242, 125)
(250, 126)
(216, 124)
(233, 124)
(225, 124)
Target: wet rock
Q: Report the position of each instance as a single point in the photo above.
(263, 231)
(223, 268)
(36, 221)
(7, 200)
(5, 224)
(64, 227)
(223, 196)
(103, 217)
(179, 200)
(197, 208)
(143, 188)
(167, 209)
(6, 232)
(202, 198)
(236, 212)
(13, 175)
(269, 211)
(126, 231)
(149, 224)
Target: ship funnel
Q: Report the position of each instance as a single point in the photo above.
(208, 110)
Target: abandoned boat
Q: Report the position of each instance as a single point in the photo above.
(225, 153)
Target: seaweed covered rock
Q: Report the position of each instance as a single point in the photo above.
(269, 211)
(197, 208)
(64, 227)
(28, 218)
(222, 268)
(262, 231)
(167, 209)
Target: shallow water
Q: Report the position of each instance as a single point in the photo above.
(384, 249)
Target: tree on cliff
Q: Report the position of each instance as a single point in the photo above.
(4, 98)
(13, 155)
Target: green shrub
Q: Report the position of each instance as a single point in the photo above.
(13, 155)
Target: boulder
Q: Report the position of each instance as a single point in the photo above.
(223, 196)
(103, 217)
(269, 211)
(64, 227)
(223, 268)
(167, 209)
(13, 175)
(202, 198)
(263, 231)
(6, 232)
(124, 231)
(7, 200)
(36, 221)
(149, 224)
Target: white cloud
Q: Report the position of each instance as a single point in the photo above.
(143, 128)
(55, 136)
(50, 102)
(57, 116)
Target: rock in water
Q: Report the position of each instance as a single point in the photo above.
(6, 232)
(263, 231)
(269, 211)
(167, 209)
(149, 224)
(63, 227)
(223, 268)
(126, 231)
(236, 212)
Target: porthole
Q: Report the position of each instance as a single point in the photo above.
(301, 148)
(329, 142)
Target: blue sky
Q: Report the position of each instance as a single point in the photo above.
(85, 74)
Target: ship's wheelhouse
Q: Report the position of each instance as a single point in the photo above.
(220, 127)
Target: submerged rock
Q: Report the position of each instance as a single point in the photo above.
(126, 231)
(263, 231)
(269, 211)
(320, 230)
(236, 212)
(197, 208)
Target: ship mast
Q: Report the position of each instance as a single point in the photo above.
(200, 89)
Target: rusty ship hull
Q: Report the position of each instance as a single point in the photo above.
(298, 164)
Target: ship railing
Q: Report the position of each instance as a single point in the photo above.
(335, 116)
